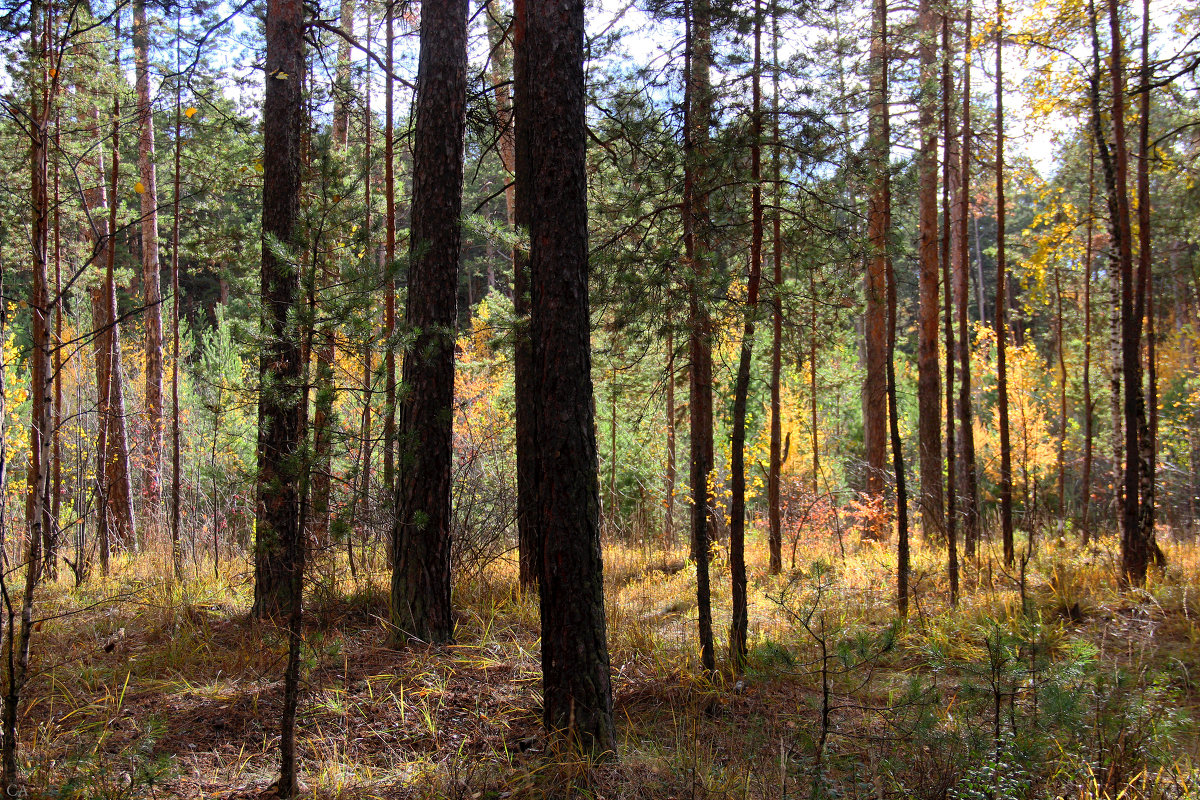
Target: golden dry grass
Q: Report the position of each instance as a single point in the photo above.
(185, 701)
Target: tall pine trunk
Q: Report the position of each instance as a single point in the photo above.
(950, 167)
(421, 537)
(576, 683)
(280, 406)
(929, 401)
(697, 116)
(1006, 488)
(737, 506)
(774, 513)
(151, 292)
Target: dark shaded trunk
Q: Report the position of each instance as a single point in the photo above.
(576, 688)
(1006, 500)
(968, 477)
(1144, 310)
(176, 550)
(950, 167)
(421, 537)
(697, 116)
(281, 402)
(524, 380)
(737, 468)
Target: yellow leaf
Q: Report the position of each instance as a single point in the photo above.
(280, 74)
(190, 112)
(258, 167)
(139, 187)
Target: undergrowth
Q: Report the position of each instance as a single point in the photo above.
(1054, 684)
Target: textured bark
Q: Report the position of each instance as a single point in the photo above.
(112, 468)
(1006, 500)
(389, 300)
(697, 116)
(151, 292)
(737, 468)
(774, 513)
(950, 167)
(576, 688)
(967, 477)
(280, 406)
(929, 384)
(1135, 546)
(421, 537)
(874, 398)
(875, 385)
(1144, 310)
(524, 379)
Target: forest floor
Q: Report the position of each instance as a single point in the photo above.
(1057, 685)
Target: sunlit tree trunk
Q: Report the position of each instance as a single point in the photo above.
(929, 401)
(151, 293)
(950, 184)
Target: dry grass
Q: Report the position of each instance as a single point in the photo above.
(184, 700)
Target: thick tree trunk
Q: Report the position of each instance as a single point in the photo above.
(280, 406)
(151, 293)
(421, 537)
(737, 506)
(529, 539)
(576, 688)
(1006, 501)
(929, 386)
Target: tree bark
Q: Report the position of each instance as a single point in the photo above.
(929, 401)
(421, 537)
(737, 506)
(526, 389)
(967, 478)
(280, 405)
(576, 688)
(950, 168)
(774, 515)
(389, 300)
(151, 292)
(875, 407)
(1006, 501)
(697, 116)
